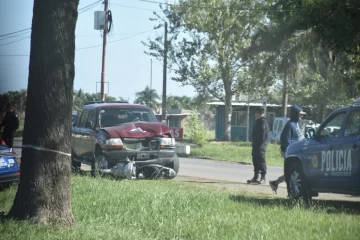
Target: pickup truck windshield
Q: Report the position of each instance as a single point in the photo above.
(116, 116)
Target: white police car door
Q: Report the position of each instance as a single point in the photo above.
(328, 166)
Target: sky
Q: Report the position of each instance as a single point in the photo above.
(127, 66)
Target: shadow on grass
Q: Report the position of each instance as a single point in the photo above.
(325, 206)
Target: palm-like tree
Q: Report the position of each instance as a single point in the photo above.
(148, 97)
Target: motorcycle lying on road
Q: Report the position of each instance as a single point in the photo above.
(131, 170)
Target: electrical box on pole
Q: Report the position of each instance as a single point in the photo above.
(99, 20)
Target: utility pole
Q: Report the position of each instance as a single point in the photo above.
(163, 112)
(102, 94)
(150, 79)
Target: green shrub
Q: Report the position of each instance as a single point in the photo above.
(196, 131)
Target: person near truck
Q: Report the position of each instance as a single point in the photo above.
(290, 134)
(259, 145)
(10, 124)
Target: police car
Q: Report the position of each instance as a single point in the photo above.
(9, 168)
(328, 159)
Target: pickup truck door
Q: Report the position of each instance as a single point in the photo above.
(78, 134)
(319, 153)
(89, 136)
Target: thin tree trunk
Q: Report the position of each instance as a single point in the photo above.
(322, 112)
(228, 114)
(354, 89)
(44, 191)
(285, 96)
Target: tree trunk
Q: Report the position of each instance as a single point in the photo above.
(44, 191)
(228, 114)
(322, 112)
(285, 96)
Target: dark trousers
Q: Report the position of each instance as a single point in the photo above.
(259, 162)
(8, 138)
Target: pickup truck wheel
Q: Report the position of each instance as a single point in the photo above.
(96, 166)
(75, 166)
(174, 165)
(297, 186)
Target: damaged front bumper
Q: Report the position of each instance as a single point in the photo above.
(141, 157)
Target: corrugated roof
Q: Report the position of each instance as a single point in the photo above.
(252, 104)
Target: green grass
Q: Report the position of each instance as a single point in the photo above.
(109, 209)
(19, 132)
(236, 152)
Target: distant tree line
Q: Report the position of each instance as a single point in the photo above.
(291, 51)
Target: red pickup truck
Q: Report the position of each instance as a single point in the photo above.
(124, 140)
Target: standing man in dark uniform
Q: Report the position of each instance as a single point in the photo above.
(259, 145)
(10, 124)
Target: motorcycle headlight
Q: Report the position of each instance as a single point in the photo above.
(167, 142)
(114, 143)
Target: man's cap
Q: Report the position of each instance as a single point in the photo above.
(302, 113)
(260, 109)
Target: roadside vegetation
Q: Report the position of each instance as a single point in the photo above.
(109, 209)
(235, 152)
(239, 152)
(19, 132)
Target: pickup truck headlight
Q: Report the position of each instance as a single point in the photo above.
(167, 142)
(114, 143)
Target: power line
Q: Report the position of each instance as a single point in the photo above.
(22, 55)
(152, 1)
(15, 32)
(145, 9)
(88, 7)
(14, 55)
(116, 40)
(17, 35)
(14, 41)
(116, 34)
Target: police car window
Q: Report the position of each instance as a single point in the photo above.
(353, 124)
(332, 127)
(84, 116)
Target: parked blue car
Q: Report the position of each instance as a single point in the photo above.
(328, 159)
(9, 168)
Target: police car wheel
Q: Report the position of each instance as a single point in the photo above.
(296, 183)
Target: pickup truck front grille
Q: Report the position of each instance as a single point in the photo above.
(138, 144)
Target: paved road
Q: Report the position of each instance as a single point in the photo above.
(229, 173)
(213, 169)
(225, 171)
